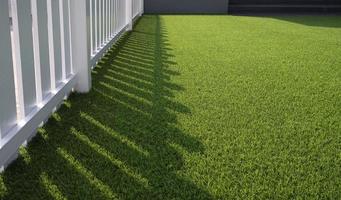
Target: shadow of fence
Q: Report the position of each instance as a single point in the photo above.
(120, 140)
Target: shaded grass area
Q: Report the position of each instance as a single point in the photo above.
(198, 107)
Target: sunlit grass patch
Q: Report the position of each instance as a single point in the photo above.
(198, 107)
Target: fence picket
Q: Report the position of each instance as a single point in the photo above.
(24, 58)
(42, 59)
(57, 41)
(66, 41)
(7, 88)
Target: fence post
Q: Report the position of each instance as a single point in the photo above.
(80, 44)
(129, 14)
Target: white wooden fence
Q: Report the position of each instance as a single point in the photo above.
(47, 49)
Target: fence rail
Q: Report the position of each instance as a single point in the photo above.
(47, 48)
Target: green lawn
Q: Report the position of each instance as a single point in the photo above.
(198, 107)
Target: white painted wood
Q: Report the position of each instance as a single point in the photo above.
(115, 16)
(103, 22)
(67, 49)
(129, 15)
(50, 55)
(105, 48)
(51, 46)
(62, 40)
(119, 13)
(93, 26)
(43, 47)
(24, 58)
(57, 41)
(7, 88)
(70, 37)
(80, 44)
(111, 17)
(133, 6)
(96, 26)
(98, 21)
(100, 31)
(10, 144)
(17, 62)
(36, 50)
(108, 20)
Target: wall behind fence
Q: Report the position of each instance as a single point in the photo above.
(186, 6)
(47, 49)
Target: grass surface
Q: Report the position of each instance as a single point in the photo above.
(198, 107)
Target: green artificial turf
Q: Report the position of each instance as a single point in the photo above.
(198, 107)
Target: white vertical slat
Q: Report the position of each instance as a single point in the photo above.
(36, 50)
(92, 26)
(57, 41)
(100, 23)
(103, 22)
(120, 10)
(112, 17)
(123, 9)
(24, 58)
(132, 7)
(108, 20)
(40, 37)
(124, 15)
(62, 39)
(129, 17)
(142, 6)
(115, 16)
(67, 49)
(137, 6)
(70, 37)
(98, 20)
(96, 25)
(51, 45)
(7, 88)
